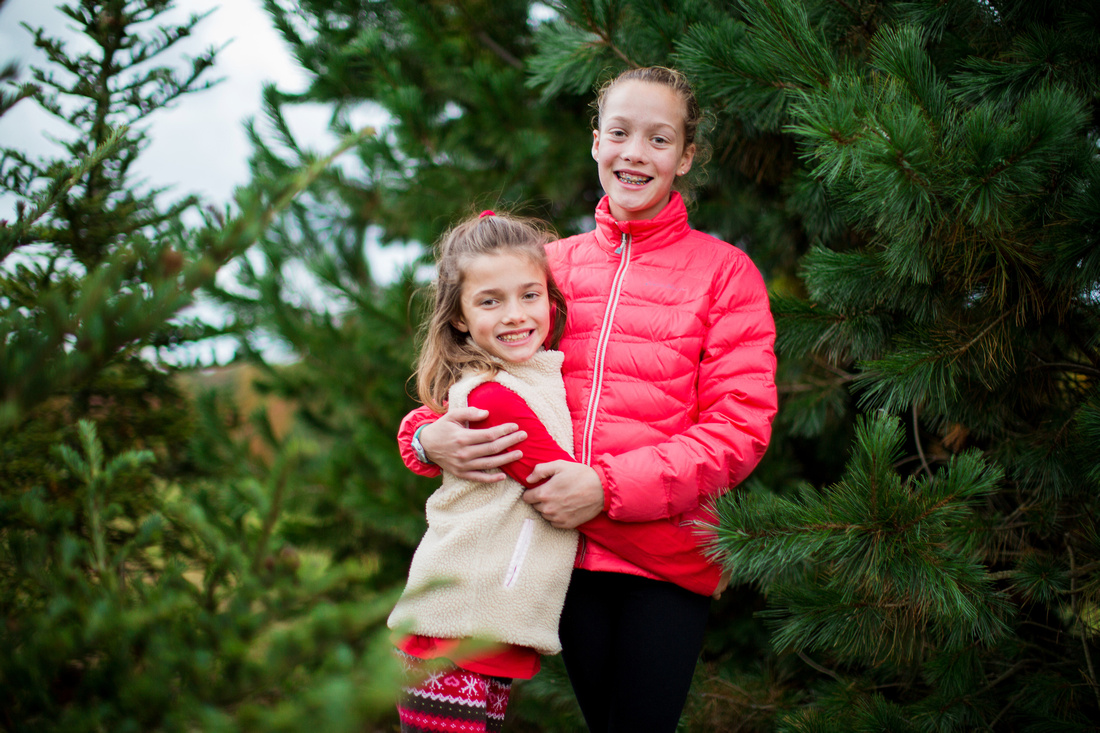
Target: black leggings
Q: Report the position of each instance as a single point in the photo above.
(630, 645)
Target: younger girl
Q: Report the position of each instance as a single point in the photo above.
(488, 567)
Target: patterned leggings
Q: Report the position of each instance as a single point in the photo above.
(439, 697)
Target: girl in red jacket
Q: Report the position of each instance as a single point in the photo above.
(669, 373)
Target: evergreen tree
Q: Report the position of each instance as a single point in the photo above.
(463, 126)
(946, 184)
(917, 181)
(145, 582)
(95, 267)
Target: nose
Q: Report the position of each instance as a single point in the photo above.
(634, 149)
(513, 312)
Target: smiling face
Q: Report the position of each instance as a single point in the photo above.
(505, 305)
(639, 148)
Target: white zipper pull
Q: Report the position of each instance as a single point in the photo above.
(519, 553)
(622, 244)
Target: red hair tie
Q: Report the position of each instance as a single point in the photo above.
(487, 212)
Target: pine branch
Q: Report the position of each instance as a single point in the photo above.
(782, 29)
(920, 447)
(22, 231)
(499, 50)
(1092, 678)
(873, 545)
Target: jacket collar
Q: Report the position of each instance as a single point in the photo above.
(670, 225)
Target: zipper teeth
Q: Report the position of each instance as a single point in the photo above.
(601, 350)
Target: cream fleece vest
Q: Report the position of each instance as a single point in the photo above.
(489, 566)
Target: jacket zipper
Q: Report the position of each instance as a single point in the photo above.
(623, 251)
(601, 348)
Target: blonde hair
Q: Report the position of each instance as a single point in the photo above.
(446, 353)
(677, 82)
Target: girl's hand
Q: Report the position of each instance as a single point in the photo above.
(571, 496)
(471, 454)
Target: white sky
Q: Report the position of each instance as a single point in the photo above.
(198, 145)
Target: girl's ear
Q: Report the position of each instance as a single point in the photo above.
(460, 325)
(685, 160)
(595, 144)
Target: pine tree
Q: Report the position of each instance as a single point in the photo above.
(145, 582)
(932, 168)
(464, 129)
(99, 266)
(917, 181)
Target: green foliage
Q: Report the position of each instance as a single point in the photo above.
(928, 171)
(147, 577)
(918, 181)
(870, 566)
(462, 126)
(93, 267)
(181, 616)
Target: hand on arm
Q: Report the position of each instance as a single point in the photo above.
(474, 454)
(574, 493)
(571, 495)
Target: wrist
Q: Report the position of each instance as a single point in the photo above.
(606, 495)
(418, 447)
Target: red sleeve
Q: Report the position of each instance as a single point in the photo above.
(506, 406)
(420, 416)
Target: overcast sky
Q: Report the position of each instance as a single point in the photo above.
(199, 145)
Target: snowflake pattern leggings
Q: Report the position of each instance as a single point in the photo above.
(440, 697)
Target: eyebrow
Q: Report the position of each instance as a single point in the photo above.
(619, 119)
(524, 286)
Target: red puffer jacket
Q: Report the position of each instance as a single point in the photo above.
(669, 370)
